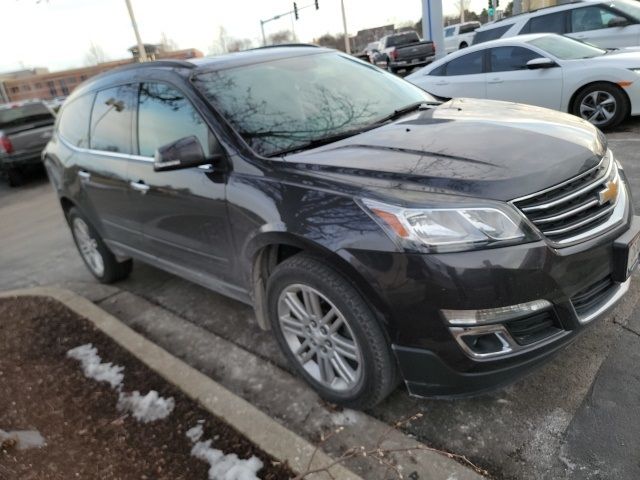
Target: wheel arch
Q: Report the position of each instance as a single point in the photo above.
(274, 249)
(572, 99)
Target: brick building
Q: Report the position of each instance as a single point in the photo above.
(39, 83)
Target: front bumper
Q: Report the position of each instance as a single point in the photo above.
(576, 281)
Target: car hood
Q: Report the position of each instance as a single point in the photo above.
(479, 148)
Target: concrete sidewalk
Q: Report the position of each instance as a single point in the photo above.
(270, 435)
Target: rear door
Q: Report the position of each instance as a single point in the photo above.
(102, 168)
(182, 213)
(463, 76)
(510, 80)
(591, 24)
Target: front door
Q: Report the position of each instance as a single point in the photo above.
(182, 213)
(509, 79)
(592, 25)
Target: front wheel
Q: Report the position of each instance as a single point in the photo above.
(602, 104)
(100, 261)
(329, 333)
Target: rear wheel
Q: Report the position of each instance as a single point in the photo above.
(603, 104)
(329, 333)
(100, 261)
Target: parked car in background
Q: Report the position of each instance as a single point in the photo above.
(606, 24)
(25, 129)
(547, 70)
(371, 52)
(404, 50)
(459, 36)
(454, 246)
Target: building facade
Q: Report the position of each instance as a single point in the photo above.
(44, 85)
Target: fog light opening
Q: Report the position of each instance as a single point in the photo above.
(486, 343)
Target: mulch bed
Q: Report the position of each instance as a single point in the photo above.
(86, 436)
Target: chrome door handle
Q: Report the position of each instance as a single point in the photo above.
(84, 176)
(139, 187)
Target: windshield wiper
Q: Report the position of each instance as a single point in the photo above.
(405, 110)
(318, 142)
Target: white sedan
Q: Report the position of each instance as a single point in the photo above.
(547, 70)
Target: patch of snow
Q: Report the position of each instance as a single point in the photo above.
(93, 367)
(145, 408)
(221, 466)
(24, 439)
(345, 417)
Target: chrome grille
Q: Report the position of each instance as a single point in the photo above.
(575, 206)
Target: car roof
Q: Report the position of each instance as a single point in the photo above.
(534, 13)
(219, 62)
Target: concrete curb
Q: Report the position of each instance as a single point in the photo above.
(266, 433)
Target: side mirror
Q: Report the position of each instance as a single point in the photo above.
(542, 62)
(618, 22)
(183, 153)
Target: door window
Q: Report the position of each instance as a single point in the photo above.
(74, 121)
(448, 32)
(590, 18)
(111, 119)
(469, 64)
(164, 116)
(508, 59)
(550, 23)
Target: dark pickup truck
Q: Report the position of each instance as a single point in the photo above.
(405, 50)
(25, 129)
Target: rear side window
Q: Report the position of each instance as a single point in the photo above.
(590, 18)
(491, 34)
(402, 39)
(469, 64)
(74, 121)
(164, 116)
(111, 120)
(468, 28)
(508, 59)
(550, 23)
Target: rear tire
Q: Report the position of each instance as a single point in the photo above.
(329, 333)
(16, 177)
(100, 261)
(463, 45)
(603, 104)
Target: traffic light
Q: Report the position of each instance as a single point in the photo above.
(497, 3)
(317, 6)
(490, 4)
(295, 10)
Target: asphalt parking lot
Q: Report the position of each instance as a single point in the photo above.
(575, 417)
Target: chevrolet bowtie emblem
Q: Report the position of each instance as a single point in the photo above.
(609, 194)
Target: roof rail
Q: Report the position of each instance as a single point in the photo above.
(154, 63)
(286, 45)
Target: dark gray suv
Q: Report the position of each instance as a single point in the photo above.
(380, 234)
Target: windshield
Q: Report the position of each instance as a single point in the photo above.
(630, 8)
(566, 48)
(283, 104)
(33, 112)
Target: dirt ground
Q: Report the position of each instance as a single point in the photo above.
(86, 436)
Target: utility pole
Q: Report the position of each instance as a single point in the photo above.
(142, 54)
(347, 44)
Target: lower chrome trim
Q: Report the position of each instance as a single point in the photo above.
(614, 297)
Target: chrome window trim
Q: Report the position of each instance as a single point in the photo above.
(125, 156)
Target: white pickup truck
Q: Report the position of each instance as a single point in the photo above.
(459, 36)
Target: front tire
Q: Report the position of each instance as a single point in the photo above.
(100, 261)
(602, 104)
(329, 333)
(463, 45)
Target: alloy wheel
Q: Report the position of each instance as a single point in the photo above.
(319, 336)
(88, 246)
(598, 107)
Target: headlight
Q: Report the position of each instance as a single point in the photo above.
(450, 229)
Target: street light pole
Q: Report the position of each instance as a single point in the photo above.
(347, 45)
(142, 54)
(264, 39)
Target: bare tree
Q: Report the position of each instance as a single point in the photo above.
(283, 36)
(238, 44)
(95, 55)
(462, 6)
(167, 44)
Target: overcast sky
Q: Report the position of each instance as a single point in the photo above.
(58, 33)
